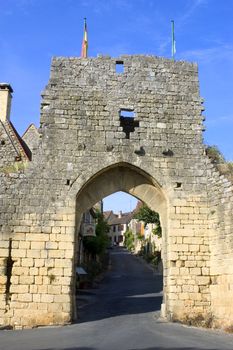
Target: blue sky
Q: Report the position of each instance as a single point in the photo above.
(32, 31)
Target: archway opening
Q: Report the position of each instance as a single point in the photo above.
(125, 178)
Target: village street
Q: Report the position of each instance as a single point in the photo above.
(123, 313)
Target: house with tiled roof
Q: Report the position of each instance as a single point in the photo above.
(107, 214)
(119, 224)
(143, 233)
(14, 150)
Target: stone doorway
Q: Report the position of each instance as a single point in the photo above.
(132, 180)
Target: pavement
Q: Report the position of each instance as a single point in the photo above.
(85, 297)
(123, 313)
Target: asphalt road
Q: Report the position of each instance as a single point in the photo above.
(122, 314)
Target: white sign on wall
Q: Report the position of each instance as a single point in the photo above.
(88, 230)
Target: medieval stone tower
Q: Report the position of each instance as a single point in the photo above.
(102, 131)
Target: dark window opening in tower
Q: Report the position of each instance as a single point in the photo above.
(127, 121)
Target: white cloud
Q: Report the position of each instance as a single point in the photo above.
(23, 6)
(181, 20)
(223, 120)
(101, 6)
(211, 54)
(191, 8)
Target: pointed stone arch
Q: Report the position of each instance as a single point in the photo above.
(121, 177)
(130, 179)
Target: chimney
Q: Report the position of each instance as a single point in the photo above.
(120, 214)
(5, 101)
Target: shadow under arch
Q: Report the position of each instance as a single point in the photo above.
(132, 180)
(121, 177)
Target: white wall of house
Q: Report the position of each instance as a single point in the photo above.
(116, 233)
(137, 228)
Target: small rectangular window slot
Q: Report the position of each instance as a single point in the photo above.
(68, 182)
(178, 185)
(119, 67)
(127, 113)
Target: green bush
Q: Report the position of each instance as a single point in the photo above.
(214, 154)
(156, 258)
(96, 267)
(98, 244)
(93, 268)
(217, 158)
(129, 240)
(95, 245)
(149, 216)
(157, 231)
(152, 258)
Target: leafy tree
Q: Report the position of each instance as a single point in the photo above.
(149, 216)
(102, 227)
(157, 230)
(97, 245)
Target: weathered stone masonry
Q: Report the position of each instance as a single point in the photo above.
(86, 151)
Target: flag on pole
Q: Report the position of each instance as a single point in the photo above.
(85, 42)
(173, 40)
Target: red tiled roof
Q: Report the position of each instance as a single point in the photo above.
(114, 219)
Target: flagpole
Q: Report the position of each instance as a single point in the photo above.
(85, 41)
(173, 40)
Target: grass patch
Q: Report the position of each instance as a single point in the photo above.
(13, 167)
(204, 321)
(217, 158)
(229, 329)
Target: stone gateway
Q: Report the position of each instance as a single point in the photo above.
(103, 129)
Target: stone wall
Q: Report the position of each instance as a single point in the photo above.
(32, 138)
(220, 191)
(86, 152)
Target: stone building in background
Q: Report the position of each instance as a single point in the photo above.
(118, 225)
(15, 153)
(145, 240)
